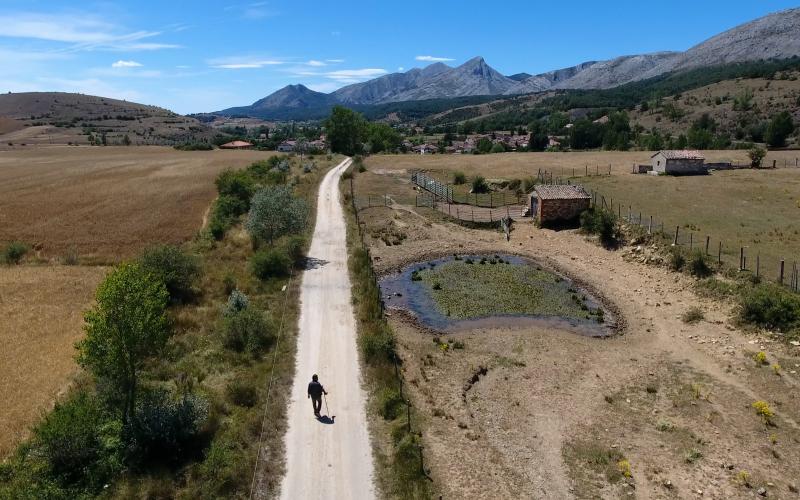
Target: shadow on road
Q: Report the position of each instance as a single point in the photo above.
(325, 420)
(312, 263)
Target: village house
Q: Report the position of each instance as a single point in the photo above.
(287, 146)
(679, 163)
(558, 204)
(425, 149)
(236, 145)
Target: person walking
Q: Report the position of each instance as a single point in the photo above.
(315, 392)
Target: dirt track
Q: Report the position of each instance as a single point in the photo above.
(523, 429)
(330, 458)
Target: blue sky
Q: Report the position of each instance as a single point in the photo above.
(208, 55)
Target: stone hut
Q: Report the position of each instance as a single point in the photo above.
(679, 163)
(551, 204)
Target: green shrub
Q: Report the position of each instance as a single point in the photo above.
(378, 346)
(222, 468)
(698, 265)
(177, 270)
(693, 315)
(770, 306)
(237, 302)
(14, 252)
(459, 178)
(238, 184)
(390, 404)
(602, 223)
(194, 146)
(677, 260)
(274, 212)
(241, 393)
(479, 185)
(229, 207)
(247, 331)
(164, 430)
(270, 263)
(79, 442)
(296, 250)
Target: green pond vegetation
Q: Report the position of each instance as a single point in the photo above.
(467, 288)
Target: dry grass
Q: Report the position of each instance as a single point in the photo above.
(521, 165)
(108, 203)
(41, 309)
(769, 98)
(757, 209)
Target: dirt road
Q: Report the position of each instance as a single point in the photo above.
(330, 457)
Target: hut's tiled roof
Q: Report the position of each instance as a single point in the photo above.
(562, 192)
(682, 155)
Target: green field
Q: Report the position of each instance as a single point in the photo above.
(465, 289)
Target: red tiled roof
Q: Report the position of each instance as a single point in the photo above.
(562, 192)
(237, 144)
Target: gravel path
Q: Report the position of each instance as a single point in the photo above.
(329, 458)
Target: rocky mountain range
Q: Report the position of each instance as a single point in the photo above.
(771, 37)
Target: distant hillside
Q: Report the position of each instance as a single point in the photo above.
(659, 93)
(770, 37)
(60, 118)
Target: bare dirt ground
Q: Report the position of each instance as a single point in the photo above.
(107, 203)
(42, 317)
(543, 413)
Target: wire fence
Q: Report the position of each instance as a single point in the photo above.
(446, 192)
(373, 277)
(735, 256)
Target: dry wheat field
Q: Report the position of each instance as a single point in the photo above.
(42, 310)
(107, 203)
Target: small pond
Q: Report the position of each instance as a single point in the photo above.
(466, 292)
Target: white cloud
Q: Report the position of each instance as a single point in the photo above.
(243, 62)
(433, 59)
(400, 68)
(355, 75)
(324, 87)
(126, 64)
(85, 32)
(334, 61)
(316, 63)
(341, 76)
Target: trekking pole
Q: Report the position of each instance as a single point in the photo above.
(327, 411)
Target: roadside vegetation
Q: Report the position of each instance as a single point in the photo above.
(398, 440)
(176, 357)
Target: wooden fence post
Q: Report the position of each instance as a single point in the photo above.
(758, 265)
(691, 241)
(677, 228)
(780, 279)
(719, 256)
(741, 259)
(650, 227)
(708, 242)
